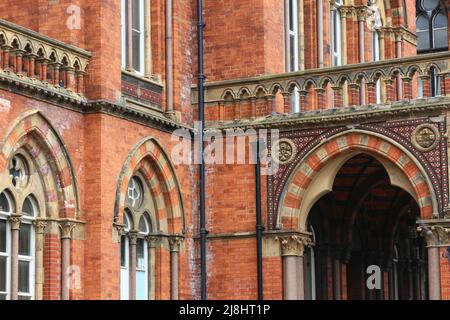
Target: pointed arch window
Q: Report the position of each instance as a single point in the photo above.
(133, 244)
(431, 26)
(18, 210)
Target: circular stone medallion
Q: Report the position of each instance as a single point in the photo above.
(425, 137)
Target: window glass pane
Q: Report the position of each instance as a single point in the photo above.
(2, 296)
(2, 236)
(291, 15)
(141, 286)
(25, 240)
(292, 52)
(24, 298)
(4, 203)
(136, 16)
(423, 40)
(126, 222)
(440, 38)
(422, 23)
(136, 51)
(430, 4)
(123, 252)
(143, 225)
(3, 266)
(28, 207)
(140, 255)
(440, 21)
(24, 276)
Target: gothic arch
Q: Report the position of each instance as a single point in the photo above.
(34, 132)
(314, 175)
(149, 158)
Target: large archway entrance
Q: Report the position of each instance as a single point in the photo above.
(365, 224)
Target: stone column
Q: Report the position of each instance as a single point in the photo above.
(437, 234)
(174, 243)
(132, 236)
(70, 77)
(287, 45)
(320, 98)
(152, 242)
(39, 229)
(43, 71)
(66, 237)
(398, 53)
(6, 50)
(362, 15)
(287, 97)
(18, 61)
(56, 68)
(292, 249)
(343, 14)
(15, 221)
(148, 39)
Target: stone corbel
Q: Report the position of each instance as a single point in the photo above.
(119, 231)
(153, 240)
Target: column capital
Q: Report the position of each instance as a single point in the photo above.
(436, 232)
(66, 227)
(15, 220)
(133, 236)
(40, 225)
(174, 243)
(293, 244)
(153, 240)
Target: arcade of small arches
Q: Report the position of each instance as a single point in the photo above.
(366, 199)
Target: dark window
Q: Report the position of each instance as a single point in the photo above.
(431, 26)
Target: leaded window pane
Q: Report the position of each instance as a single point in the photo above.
(2, 296)
(422, 23)
(423, 40)
(4, 203)
(143, 225)
(140, 254)
(24, 276)
(136, 14)
(123, 252)
(430, 5)
(141, 285)
(440, 21)
(2, 236)
(28, 207)
(440, 38)
(3, 271)
(25, 240)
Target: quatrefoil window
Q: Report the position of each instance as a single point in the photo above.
(18, 171)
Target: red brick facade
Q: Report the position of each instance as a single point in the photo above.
(244, 40)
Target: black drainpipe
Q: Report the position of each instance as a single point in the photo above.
(259, 225)
(201, 106)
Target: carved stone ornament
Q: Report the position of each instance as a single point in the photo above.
(152, 240)
(425, 137)
(284, 151)
(39, 226)
(15, 220)
(435, 232)
(66, 229)
(293, 245)
(174, 243)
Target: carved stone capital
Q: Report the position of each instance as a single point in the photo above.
(293, 245)
(66, 227)
(152, 240)
(133, 236)
(39, 226)
(436, 232)
(174, 243)
(15, 220)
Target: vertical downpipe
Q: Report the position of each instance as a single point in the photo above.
(259, 225)
(201, 105)
(169, 55)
